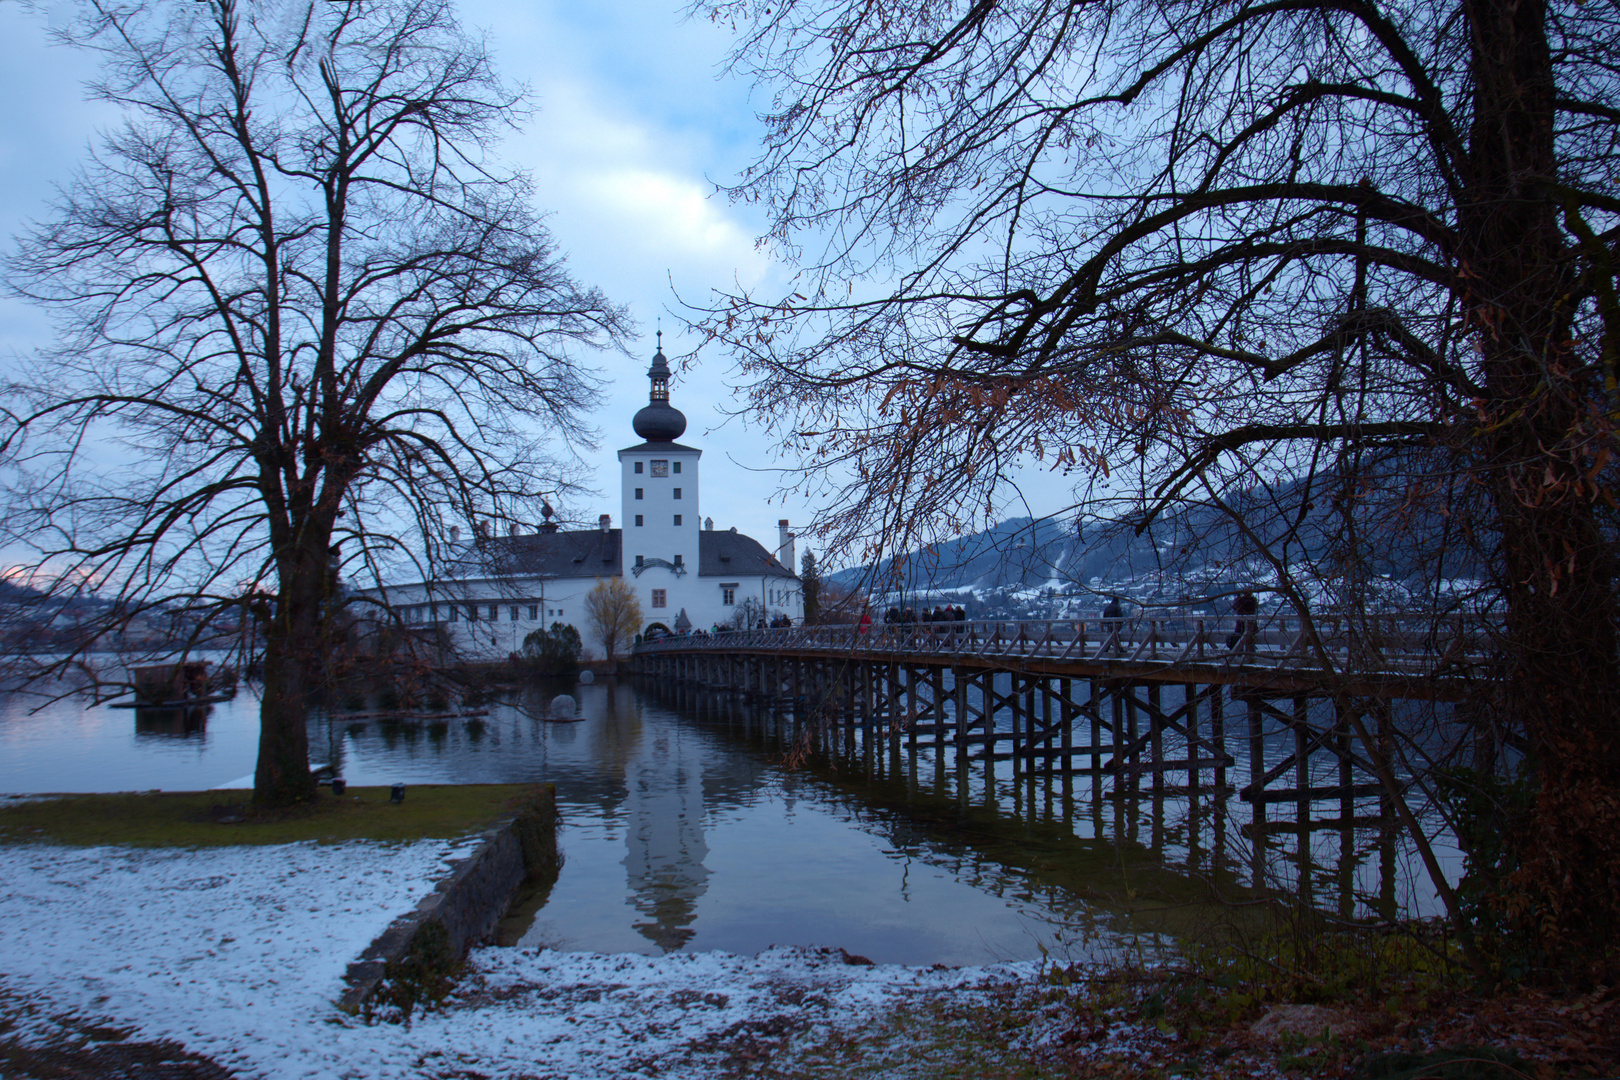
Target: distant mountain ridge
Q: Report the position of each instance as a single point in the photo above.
(1046, 567)
(1018, 552)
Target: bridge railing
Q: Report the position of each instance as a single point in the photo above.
(1418, 643)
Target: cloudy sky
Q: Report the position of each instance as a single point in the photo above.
(634, 126)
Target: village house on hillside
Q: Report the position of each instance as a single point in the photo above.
(498, 588)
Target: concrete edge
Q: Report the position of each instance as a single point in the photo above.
(469, 901)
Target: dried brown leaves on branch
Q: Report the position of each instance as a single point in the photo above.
(1340, 275)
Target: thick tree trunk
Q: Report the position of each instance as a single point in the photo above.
(292, 656)
(282, 776)
(1558, 571)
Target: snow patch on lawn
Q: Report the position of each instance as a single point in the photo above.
(238, 954)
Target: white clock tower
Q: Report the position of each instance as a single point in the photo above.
(659, 479)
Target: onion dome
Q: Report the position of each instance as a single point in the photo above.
(659, 421)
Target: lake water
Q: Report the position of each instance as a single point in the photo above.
(684, 830)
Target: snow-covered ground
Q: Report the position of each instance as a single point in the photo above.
(238, 953)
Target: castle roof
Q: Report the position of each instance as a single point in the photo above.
(581, 553)
(593, 553)
(656, 447)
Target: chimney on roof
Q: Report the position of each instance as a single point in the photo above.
(481, 526)
(708, 524)
(455, 534)
(512, 529)
(604, 522)
(784, 548)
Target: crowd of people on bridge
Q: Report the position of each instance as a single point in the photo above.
(946, 613)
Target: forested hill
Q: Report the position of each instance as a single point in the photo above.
(1016, 552)
(1012, 566)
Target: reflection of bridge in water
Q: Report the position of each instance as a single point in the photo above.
(1306, 723)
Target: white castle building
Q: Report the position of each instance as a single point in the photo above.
(497, 589)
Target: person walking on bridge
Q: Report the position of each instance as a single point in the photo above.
(1245, 607)
(1113, 626)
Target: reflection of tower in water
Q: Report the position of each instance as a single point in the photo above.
(664, 835)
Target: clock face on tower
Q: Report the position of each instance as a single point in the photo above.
(660, 468)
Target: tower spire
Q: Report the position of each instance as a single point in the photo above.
(659, 421)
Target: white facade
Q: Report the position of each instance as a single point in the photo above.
(659, 485)
(504, 584)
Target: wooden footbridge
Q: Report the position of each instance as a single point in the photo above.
(1308, 710)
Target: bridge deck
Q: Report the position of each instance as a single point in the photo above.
(1406, 655)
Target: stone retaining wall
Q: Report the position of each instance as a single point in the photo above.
(470, 901)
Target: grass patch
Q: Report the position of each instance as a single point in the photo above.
(220, 818)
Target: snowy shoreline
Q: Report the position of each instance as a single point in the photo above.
(237, 954)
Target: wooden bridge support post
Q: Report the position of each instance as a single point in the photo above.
(1302, 785)
(961, 680)
(1066, 716)
(913, 708)
(1096, 733)
(1195, 768)
(1385, 736)
(987, 699)
(1156, 737)
(1044, 697)
(1257, 772)
(1015, 701)
(1127, 694)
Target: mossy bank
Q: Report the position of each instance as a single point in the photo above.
(216, 818)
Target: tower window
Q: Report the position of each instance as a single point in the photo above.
(677, 519)
(679, 560)
(638, 493)
(658, 598)
(638, 519)
(638, 560)
(638, 468)
(677, 471)
(677, 493)
(660, 467)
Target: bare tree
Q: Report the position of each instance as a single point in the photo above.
(614, 613)
(305, 319)
(1318, 265)
(749, 613)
